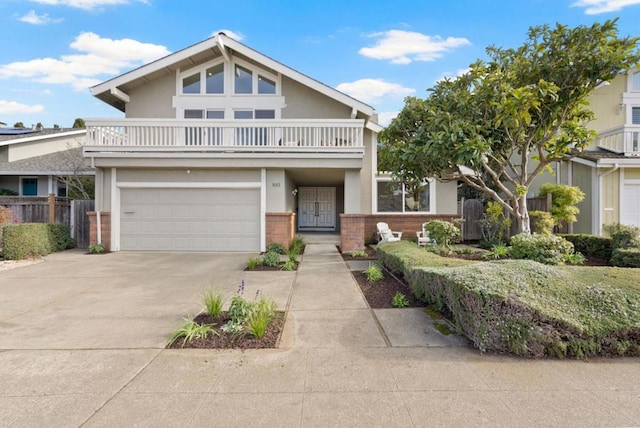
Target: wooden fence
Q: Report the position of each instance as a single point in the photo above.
(51, 209)
(473, 209)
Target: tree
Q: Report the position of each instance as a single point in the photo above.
(500, 125)
(56, 126)
(78, 123)
(78, 180)
(563, 202)
(39, 126)
(18, 125)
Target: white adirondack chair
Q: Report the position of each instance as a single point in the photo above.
(423, 237)
(385, 234)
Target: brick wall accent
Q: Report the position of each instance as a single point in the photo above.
(105, 222)
(352, 232)
(408, 224)
(281, 228)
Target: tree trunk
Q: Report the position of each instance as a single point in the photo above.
(522, 216)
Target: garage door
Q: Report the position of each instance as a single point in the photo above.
(630, 212)
(190, 219)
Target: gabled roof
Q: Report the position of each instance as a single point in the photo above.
(35, 135)
(65, 162)
(114, 90)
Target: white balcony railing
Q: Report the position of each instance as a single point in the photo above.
(204, 135)
(624, 140)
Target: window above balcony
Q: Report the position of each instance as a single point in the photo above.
(228, 78)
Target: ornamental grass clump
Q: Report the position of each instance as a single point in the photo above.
(373, 273)
(191, 330)
(213, 302)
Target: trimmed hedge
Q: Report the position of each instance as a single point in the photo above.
(626, 257)
(26, 240)
(529, 309)
(590, 245)
(400, 257)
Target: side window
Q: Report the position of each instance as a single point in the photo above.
(243, 80)
(636, 81)
(635, 115)
(266, 86)
(191, 84)
(215, 79)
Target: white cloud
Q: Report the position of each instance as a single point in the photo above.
(98, 57)
(33, 18)
(403, 47)
(595, 7)
(234, 35)
(86, 4)
(12, 107)
(449, 75)
(372, 90)
(385, 117)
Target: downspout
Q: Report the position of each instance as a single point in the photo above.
(600, 202)
(99, 228)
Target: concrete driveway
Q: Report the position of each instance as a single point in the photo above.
(123, 300)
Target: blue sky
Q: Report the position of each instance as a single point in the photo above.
(377, 51)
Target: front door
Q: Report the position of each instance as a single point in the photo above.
(317, 208)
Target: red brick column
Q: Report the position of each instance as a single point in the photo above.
(352, 232)
(281, 228)
(105, 223)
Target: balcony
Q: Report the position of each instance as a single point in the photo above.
(623, 140)
(123, 136)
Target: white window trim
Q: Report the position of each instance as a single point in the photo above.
(432, 197)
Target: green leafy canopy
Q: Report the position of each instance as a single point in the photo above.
(498, 126)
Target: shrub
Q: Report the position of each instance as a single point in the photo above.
(288, 265)
(542, 222)
(563, 201)
(276, 247)
(21, 241)
(494, 225)
(296, 246)
(254, 262)
(443, 232)
(574, 259)
(590, 245)
(373, 273)
(400, 300)
(623, 236)
(525, 308)
(213, 302)
(271, 258)
(547, 249)
(96, 248)
(5, 216)
(191, 330)
(626, 257)
(499, 251)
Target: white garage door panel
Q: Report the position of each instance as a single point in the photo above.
(190, 219)
(630, 213)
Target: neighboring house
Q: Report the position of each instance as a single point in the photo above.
(225, 149)
(608, 171)
(31, 161)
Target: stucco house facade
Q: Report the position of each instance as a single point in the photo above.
(32, 160)
(608, 171)
(222, 148)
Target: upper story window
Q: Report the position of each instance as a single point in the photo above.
(266, 86)
(191, 84)
(215, 79)
(243, 80)
(635, 115)
(635, 81)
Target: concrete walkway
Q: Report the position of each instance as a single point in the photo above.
(339, 364)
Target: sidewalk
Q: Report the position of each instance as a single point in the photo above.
(339, 364)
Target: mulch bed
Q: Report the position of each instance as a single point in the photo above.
(234, 341)
(380, 293)
(371, 254)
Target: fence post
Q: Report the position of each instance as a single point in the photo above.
(549, 202)
(52, 208)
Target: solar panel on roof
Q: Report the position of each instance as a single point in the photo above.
(16, 131)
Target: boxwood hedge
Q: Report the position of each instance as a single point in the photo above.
(526, 308)
(22, 241)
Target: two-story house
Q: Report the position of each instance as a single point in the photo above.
(225, 149)
(608, 171)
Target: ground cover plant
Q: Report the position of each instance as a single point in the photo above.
(247, 323)
(527, 308)
(272, 259)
